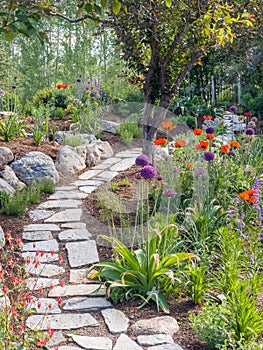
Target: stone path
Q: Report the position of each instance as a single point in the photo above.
(57, 226)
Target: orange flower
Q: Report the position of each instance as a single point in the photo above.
(210, 136)
(168, 125)
(248, 196)
(62, 86)
(179, 144)
(207, 117)
(197, 131)
(189, 165)
(234, 144)
(160, 142)
(224, 148)
(203, 145)
(59, 86)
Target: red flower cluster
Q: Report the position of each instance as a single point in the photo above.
(160, 142)
(62, 86)
(248, 196)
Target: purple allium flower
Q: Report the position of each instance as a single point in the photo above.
(2, 92)
(148, 172)
(14, 87)
(142, 160)
(250, 131)
(233, 109)
(78, 80)
(251, 124)
(86, 87)
(208, 156)
(169, 192)
(231, 154)
(210, 130)
(191, 88)
(175, 169)
(200, 172)
(206, 89)
(75, 100)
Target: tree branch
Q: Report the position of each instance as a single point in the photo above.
(82, 19)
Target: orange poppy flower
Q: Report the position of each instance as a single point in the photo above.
(59, 86)
(197, 131)
(248, 196)
(204, 145)
(168, 125)
(189, 165)
(207, 117)
(210, 136)
(62, 86)
(179, 144)
(234, 144)
(160, 142)
(224, 148)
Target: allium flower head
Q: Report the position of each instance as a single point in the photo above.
(142, 160)
(233, 109)
(210, 130)
(148, 172)
(231, 154)
(169, 192)
(251, 124)
(200, 172)
(192, 88)
(2, 92)
(14, 87)
(208, 156)
(175, 169)
(250, 131)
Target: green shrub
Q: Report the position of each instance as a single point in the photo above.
(11, 127)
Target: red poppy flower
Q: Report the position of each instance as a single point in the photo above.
(204, 145)
(234, 144)
(224, 148)
(197, 131)
(160, 142)
(210, 136)
(207, 117)
(179, 144)
(248, 114)
(248, 196)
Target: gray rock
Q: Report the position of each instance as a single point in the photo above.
(166, 347)
(42, 258)
(66, 215)
(68, 195)
(124, 342)
(88, 138)
(45, 246)
(105, 148)
(157, 339)
(36, 283)
(107, 175)
(89, 174)
(74, 235)
(44, 306)
(67, 188)
(156, 325)
(123, 164)
(4, 301)
(80, 225)
(57, 338)
(82, 253)
(115, 320)
(68, 347)
(8, 174)
(35, 166)
(2, 238)
(5, 187)
(6, 156)
(93, 155)
(36, 215)
(87, 189)
(37, 236)
(44, 270)
(86, 304)
(67, 203)
(110, 126)
(61, 321)
(79, 276)
(41, 227)
(95, 343)
(79, 289)
(71, 160)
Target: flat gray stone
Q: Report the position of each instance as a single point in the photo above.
(94, 183)
(41, 227)
(128, 153)
(166, 347)
(67, 347)
(82, 253)
(66, 188)
(89, 174)
(2, 238)
(37, 235)
(74, 235)
(101, 166)
(4, 301)
(115, 320)
(107, 175)
(124, 164)
(66, 215)
(45, 306)
(94, 343)
(156, 325)
(156, 339)
(57, 338)
(57, 204)
(36, 283)
(61, 321)
(44, 270)
(87, 189)
(124, 342)
(45, 246)
(86, 304)
(111, 161)
(79, 276)
(38, 214)
(80, 225)
(68, 195)
(78, 289)
(42, 258)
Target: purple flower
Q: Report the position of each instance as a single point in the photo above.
(251, 124)
(233, 109)
(231, 154)
(148, 172)
(2, 92)
(200, 172)
(250, 131)
(169, 192)
(191, 88)
(142, 160)
(78, 80)
(175, 169)
(14, 87)
(206, 89)
(210, 130)
(208, 156)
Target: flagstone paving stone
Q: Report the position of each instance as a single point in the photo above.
(123, 165)
(156, 339)
(80, 225)
(115, 320)
(124, 342)
(79, 276)
(45, 306)
(82, 253)
(74, 235)
(36, 283)
(36, 215)
(41, 227)
(78, 289)
(45, 246)
(165, 347)
(86, 304)
(87, 189)
(37, 235)
(60, 203)
(89, 174)
(42, 258)
(44, 270)
(95, 183)
(95, 343)
(66, 215)
(68, 195)
(108, 175)
(57, 338)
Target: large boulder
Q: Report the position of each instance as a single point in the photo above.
(6, 156)
(8, 174)
(70, 160)
(5, 187)
(105, 148)
(93, 154)
(2, 238)
(35, 166)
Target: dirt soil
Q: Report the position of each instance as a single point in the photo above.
(179, 308)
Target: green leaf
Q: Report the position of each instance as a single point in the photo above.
(116, 6)
(9, 35)
(168, 3)
(104, 3)
(88, 7)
